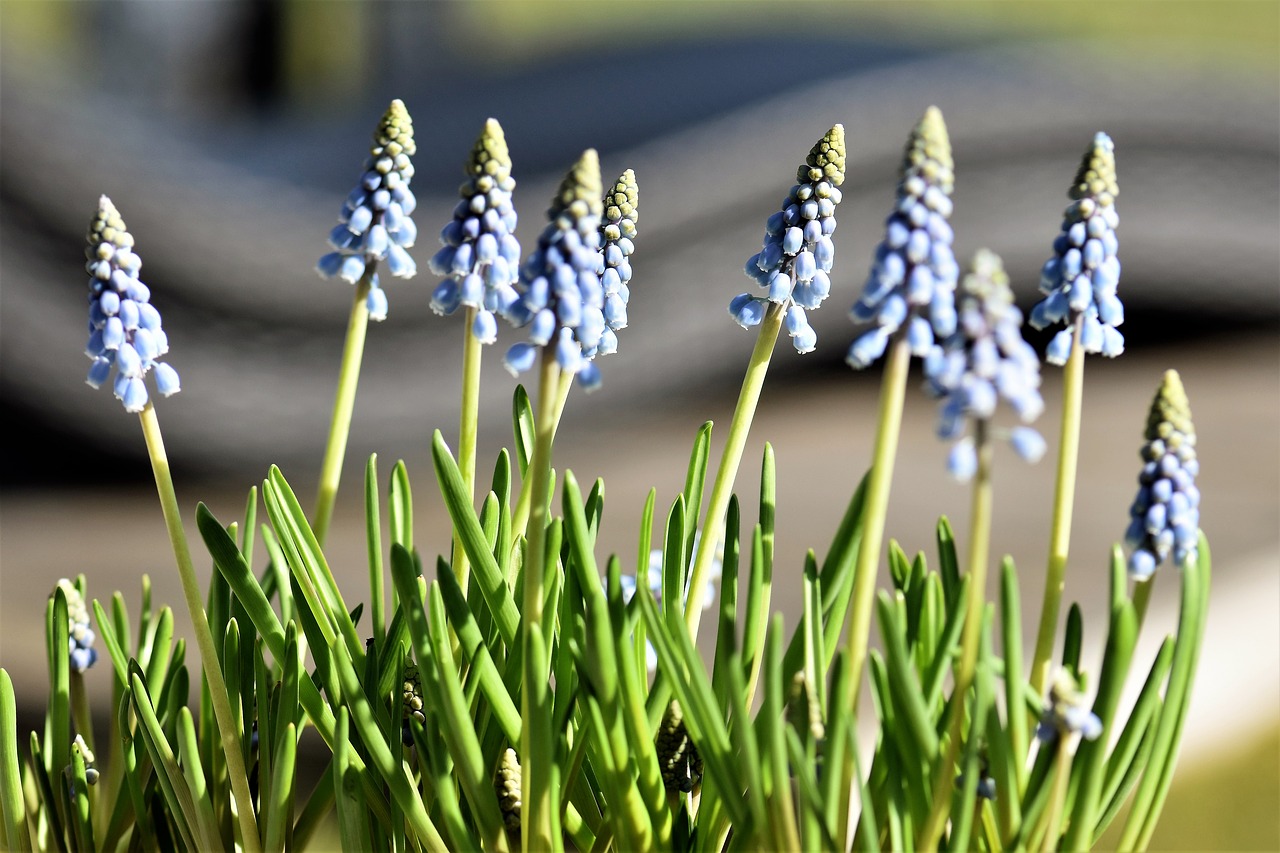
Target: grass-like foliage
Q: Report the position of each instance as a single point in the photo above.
(515, 687)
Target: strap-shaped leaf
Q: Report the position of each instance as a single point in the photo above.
(12, 808)
(196, 834)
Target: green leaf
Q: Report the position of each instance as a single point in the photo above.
(674, 568)
(373, 542)
(770, 728)
(400, 507)
(1015, 687)
(57, 730)
(1073, 641)
(353, 826)
(12, 807)
(694, 481)
(278, 818)
(195, 833)
(921, 741)
(523, 426)
(949, 564)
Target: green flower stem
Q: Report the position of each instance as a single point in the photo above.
(1063, 500)
(520, 518)
(343, 405)
(225, 716)
(730, 459)
(539, 815)
(979, 546)
(1058, 796)
(892, 394)
(471, 349)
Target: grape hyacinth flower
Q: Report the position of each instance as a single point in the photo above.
(617, 236)
(794, 265)
(374, 223)
(914, 270)
(124, 327)
(480, 254)
(1080, 279)
(1067, 712)
(79, 632)
(983, 361)
(1166, 512)
(561, 298)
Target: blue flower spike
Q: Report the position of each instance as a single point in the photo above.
(561, 298)
(374, 223)
(617, 237)
(793, 268)
(1079, 281)
(124, 327)
(1165, 515)
(80, 633)
(1066, 712)
(913, 274)
(985, 360)
(480, 255)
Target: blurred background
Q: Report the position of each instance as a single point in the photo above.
(227, 134)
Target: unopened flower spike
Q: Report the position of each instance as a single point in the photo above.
(79, 632)
(1166, 512)
(411, 703)
(124, 327)
(480, 254)
(1080, 279)
(561, 298)
(374, 223)
(793, 268)
(617, 236)
(913, 273)
(1067, 712)
(677, 754)
(983, 361)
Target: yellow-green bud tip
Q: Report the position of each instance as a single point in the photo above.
(1170, 411)
(622, 200)
(987, 280)
(826, 159)
(581, 191)
(1096, 177)
(490, 156)
(395, 132)
(929, 151)
(107, 227)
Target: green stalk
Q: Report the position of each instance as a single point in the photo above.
(520, 518)
(471, 349)
(979, 545)
(225, 716)
(539, 815)
(1058, 797)
(1063, 500)
(731, 457)
(343, 405)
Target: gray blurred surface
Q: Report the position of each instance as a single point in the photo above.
(230, 210)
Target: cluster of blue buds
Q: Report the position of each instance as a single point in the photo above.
(124, 327)
(1067, 712)
(481, 255)
(983, 361)
(1080, 279)
(617, 237)
(374, 223)
(794, 265)
(81, 636)
(561, 297)
(1166, 512)
(914, 268)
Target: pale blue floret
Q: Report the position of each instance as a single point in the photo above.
(794, 263)
(1080, 280)
(79, 631)
(560, 293)
(480, 255)
(1066, 712)
(124, 327)
(1165, 514)
(374, 224)
(914, 271)
(983, 361)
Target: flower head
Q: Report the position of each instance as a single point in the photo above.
(561, 297)
(677, 754)
(1080, 279)
(124, 327)
(793, 267)
(1166, 513)
(374, 223)
(1067, 712)
(80, 634)
(617, 235)
(506, 781)
(411, 703)
(985, 360)
(914, 270)
(481, 255)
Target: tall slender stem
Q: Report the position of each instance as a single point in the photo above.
(343, 405)
(539, 816)
(730, 459)
(979, 547)
(1063, 501)
(225, 717)
(467, 426)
